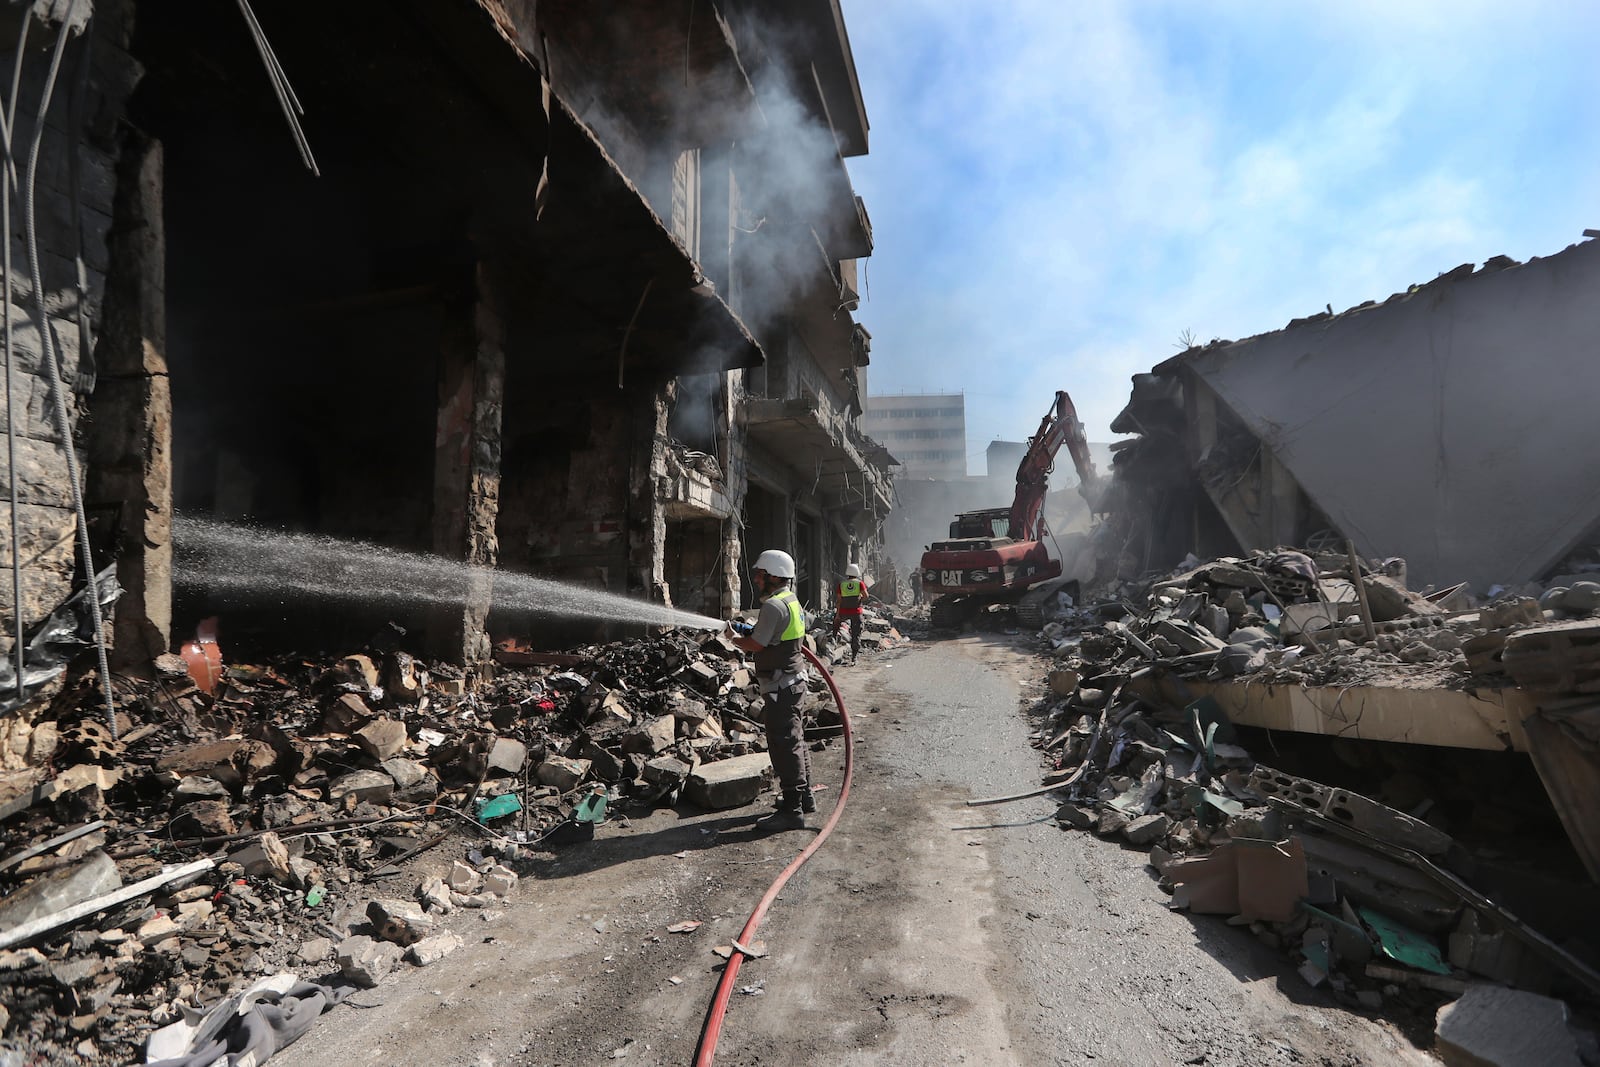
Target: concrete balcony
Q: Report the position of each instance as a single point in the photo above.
(816, 439)
(693, 486)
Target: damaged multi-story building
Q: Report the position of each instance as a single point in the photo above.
(559, 288)
(1446, 426)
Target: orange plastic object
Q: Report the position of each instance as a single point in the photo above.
(203, 657)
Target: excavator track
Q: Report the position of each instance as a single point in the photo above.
(1030, 614)
(949, 612)
(1030, 609)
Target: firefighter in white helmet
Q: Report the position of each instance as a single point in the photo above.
(780, 669)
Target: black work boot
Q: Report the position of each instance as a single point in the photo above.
(808, 801)
(789, 816)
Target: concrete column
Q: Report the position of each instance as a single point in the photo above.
(646, 513)
(128, 487)
(466, 470)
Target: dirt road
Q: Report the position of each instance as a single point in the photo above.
(924, 931)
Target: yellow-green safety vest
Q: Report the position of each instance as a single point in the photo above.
(797, 619)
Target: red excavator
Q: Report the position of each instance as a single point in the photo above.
(997, 555)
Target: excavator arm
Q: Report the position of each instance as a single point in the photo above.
(1060, 426)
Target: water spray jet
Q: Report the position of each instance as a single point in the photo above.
(245, 560)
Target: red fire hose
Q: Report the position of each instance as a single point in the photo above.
(719, 1003)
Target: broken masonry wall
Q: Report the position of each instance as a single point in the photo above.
(129, 490)
(578, 501)
(74, 211)
(1448, 425)
(1256, 496)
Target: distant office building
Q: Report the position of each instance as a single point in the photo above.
(927, 433)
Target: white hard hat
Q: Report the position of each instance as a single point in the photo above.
(776, 563)
(853, 571)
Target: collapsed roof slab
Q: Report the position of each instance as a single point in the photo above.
(1488, 719)
(1451, 425)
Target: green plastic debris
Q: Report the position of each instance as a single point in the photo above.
(1317, 955)
(1197, 795)
(497, 807)
(591, 808)
(315, 896)
(1403, 944)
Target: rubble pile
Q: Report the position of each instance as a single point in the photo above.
(252, 820)
(1367, 899)
(1305, 618)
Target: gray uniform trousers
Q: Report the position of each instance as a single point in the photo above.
(786, 742)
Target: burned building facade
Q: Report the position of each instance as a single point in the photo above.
(555, 288)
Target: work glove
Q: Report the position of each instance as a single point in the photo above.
(743, 629)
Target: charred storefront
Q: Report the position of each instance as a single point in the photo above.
(547, 290)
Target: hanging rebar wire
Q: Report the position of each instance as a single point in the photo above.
(8, 116)
(287, 100)
(51, 355)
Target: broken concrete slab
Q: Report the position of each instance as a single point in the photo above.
(463, 878)
(1492, 1026)
(367, 962)
(382, 738)
(1350, 809)
(265, 857)
(1468, 718)
(373, 787)
(562, 773)
(433, 949)
(347, 712)
(729, 783)
(499, 880)
(1147, 829)
(666, 771)
(508, 755)
(406, 773)
(1063, 683)
(655, 736)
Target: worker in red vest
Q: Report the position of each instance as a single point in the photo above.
(850, 595)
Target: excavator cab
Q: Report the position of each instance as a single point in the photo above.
(993, 523)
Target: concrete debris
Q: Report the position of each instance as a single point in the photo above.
(367, 962)
(730, 783)
(266, 857)
(314, 779)
(1491, 1026)
(399, 921)
(1146, 691)
(433, 949)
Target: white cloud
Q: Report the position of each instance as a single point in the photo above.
(1060, 189)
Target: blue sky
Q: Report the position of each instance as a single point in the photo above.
(1060, 189)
